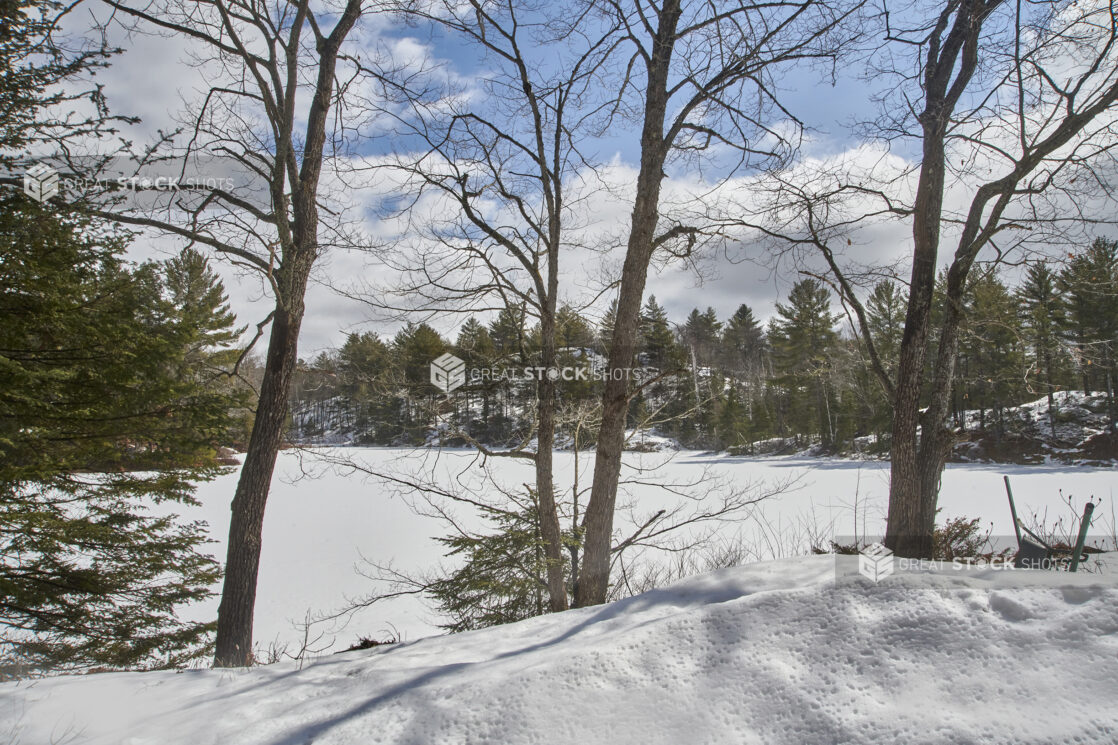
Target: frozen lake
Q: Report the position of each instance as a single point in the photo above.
(324, 519)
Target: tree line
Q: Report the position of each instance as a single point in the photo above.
(726, 384)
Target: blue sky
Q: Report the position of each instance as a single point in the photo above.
(152, 79)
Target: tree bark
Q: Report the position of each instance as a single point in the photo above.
(550, 530)
(298, 239)
(913, 488)
(238, 596)
(593, 581)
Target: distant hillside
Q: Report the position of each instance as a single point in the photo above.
(1023, 434)
(1076, 433)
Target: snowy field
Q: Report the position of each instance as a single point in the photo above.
(769, 654)
(324, 520)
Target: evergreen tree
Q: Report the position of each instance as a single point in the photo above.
(572, 331)
(1042, 316)
(508, 334)
(1089, 283)
(605, 328)
(41, 78)
(700, 335)
(474, 344)
(475, 347)
(364, 361)
(743, 344)
(659, 348)
(501, 579)
(417, 346)
(885, 311)
(105, 408)
(803, 338)
(209, 333)
(992, 340)
(733, 422)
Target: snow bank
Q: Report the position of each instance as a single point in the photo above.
(770, 653)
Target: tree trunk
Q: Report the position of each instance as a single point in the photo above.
(593, 581)
(235, 616)
(238, 595)
(916, 466)
(550, 530)
(908, 532)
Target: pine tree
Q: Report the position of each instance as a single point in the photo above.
(1042, 316)
(992, 340)
(41, 71)
(501, 579)
(475, 347)
(208, 332)
(885, 311)
(700, 335)
(605, 328)
(803, 337)
(572, 331)
(1089, 283)
(105, 408)
(366, 369)
(743, 344)
(659, 348)
(509, 335)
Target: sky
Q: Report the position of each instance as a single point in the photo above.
(155, 79)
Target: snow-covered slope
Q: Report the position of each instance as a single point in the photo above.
(771, 653)
(1074, 431)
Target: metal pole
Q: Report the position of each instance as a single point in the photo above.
(1013, 511)
(1083, 525)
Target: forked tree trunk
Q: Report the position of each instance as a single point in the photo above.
(593, 581)
(915, 461)
(909, 532)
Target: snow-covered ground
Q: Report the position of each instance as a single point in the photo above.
(771, 653)
(320, 527)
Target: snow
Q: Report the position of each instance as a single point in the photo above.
(323, 521)
(1066, 433)
(772, 652)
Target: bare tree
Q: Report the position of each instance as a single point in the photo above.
(504, 166)
(1013, 106)
(699, 78)
(279, 73)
